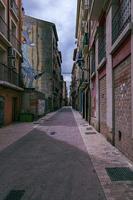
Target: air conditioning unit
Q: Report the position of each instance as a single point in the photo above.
(12, 53)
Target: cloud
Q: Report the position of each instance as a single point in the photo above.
(63, 14)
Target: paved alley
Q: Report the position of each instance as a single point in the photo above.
(49, 163)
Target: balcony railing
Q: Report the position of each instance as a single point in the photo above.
(15, 43)
(14, 7)
(85, 40)
(121, 18)
(93, 67)
(3, 27)
(101, 43)
(7, 74)
(85, 4)
(80, 58)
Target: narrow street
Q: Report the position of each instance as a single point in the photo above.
(49, 163)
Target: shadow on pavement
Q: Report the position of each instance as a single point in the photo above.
(48, 169)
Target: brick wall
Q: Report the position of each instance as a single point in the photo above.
(122, 107)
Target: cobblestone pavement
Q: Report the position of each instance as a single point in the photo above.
(104, 155)
(50, 163)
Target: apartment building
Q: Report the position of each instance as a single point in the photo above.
(10, 60)
(81, 58)
(74, 92)
(41, 67)
(64, 94)
(57, 79)
(108, 49)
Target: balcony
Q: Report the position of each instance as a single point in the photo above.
(80, 61)
(101, 43)
(14, 8)
(85, 7)
(15, 43)
(85, 4)
(121, 18)
(93, 67)
(85, 42)
(7, 74)
(75, 54)
(96, 8)
(3, 28)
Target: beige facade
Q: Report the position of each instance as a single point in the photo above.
(42, 65)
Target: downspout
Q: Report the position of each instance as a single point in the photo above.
(8, 28)
(8, 19)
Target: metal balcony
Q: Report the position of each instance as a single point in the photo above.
(14, 7)
(93, 67)
(7, 74)
(96, 8)
(86, 42)
(101, 43)
(3, 28)
(121, 18)
(85, 4)
(15, 42)
(79, 60)
(86, 7)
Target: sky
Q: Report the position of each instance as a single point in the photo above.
(63, 14)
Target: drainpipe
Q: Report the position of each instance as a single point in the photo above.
(8, 19)
(8, 27)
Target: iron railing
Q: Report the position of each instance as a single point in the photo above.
(15, 42)
(93, 67)
(7, 74)
(85, 4)
(14, 7)
(86, 40)
(101, 43)
(4, 30)
(3, 27)
(121, 18)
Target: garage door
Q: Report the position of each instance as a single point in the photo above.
(103, 104)
(122, 105)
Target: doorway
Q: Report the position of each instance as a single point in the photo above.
(14, 109)
(87, 105)
(2, 106)
(84, 105)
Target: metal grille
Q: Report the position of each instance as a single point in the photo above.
(15, 195)
(121, 18)
(90, 133)
(120, 174)
(52, 133)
